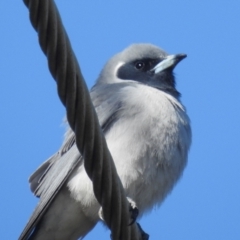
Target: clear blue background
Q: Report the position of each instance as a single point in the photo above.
(206, 202)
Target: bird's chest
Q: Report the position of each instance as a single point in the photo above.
(150, 125)
(149, 143)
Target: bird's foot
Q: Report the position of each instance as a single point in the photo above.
(133, 209)
(134, 214)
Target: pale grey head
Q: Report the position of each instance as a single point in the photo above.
(145, 64)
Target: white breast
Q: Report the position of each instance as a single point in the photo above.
(149, 143)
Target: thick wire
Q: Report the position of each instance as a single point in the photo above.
(82, 118)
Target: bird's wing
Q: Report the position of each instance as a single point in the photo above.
(49, 178)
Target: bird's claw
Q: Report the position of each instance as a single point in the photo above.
(133, 210)
(100, 214)
(134, 214)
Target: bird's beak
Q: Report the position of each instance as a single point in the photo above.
(169, 62)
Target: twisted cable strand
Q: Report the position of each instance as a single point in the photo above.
(82, 118)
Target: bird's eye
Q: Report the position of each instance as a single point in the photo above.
(139, 65)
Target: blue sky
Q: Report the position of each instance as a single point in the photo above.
(205, 204)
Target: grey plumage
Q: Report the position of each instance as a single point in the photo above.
(148, 134)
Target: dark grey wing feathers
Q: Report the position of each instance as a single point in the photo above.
(69, 143)
(36, 177)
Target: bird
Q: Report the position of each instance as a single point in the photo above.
(148, 133)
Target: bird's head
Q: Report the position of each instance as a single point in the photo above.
(145, 64)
